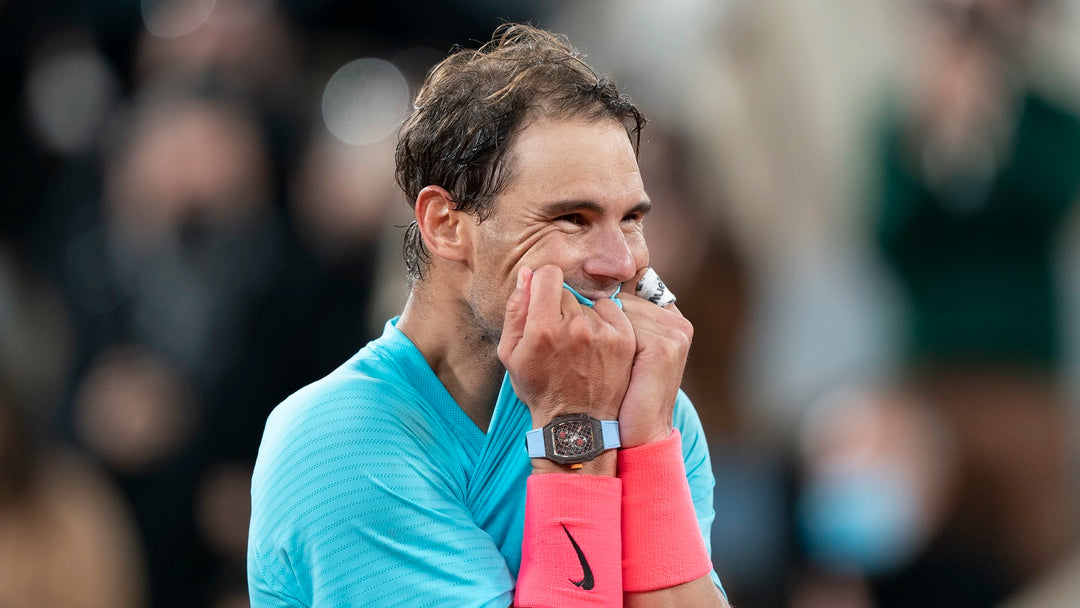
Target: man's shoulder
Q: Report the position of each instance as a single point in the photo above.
(372, 394)
(362, 420)
(368, 392)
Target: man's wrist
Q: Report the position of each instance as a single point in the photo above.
(571, 550)
(662, 540)
(604, 464)
(637, 436)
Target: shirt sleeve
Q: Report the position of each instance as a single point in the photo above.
(354, 504)
(699, 473)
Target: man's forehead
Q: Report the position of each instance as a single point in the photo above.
(543, 134)
(575, 160)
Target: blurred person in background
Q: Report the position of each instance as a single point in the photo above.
(171, 290)
(67, 537)
(875, 480)
(254, 48)
(978, 178)
(342, 205)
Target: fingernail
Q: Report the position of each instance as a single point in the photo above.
(521, 276)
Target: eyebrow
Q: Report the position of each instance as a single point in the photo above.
(558, 208)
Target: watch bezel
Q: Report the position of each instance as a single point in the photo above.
(549, 439)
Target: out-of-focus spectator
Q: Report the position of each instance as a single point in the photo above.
(134, 411)
(344, 206)
(252, 47)
(979, 173)
(67, 538)
(876, 477)
(169, 292)
(190, 245)
(249, 43)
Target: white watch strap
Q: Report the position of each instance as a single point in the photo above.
(534, 442)
(609, 431)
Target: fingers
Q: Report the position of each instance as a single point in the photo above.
(652, 323)
(652, 299)
(650, 287)
(612, 314)
(548, 296)
(517, 309)
(541, 298)
(561, 354)
(538, 300)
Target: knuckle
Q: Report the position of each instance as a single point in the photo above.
(671, 348)
(686, 328)
(579, 330)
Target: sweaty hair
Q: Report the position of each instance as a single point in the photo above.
(474, 103)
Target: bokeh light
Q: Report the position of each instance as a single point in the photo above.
(69, 96)
(172, 18)
(364, 101)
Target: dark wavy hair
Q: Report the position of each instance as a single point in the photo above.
(474, 103)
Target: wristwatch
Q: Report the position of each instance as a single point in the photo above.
(572, 439)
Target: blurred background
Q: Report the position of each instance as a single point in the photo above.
(866, 208)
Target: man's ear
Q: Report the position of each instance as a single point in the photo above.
(445, 229)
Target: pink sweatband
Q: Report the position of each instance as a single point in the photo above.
(571, 553)
(661, 539)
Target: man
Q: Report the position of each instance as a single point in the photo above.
(409, 476)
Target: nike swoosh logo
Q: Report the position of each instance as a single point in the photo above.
(586, 582)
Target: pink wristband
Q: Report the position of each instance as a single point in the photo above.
(661, 538)
(571, 553)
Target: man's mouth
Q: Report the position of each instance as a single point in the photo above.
(587, 301)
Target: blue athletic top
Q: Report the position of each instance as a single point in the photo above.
(373, 488)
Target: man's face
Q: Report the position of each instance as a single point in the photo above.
(577, 201)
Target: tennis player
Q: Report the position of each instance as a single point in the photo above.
(517, 436)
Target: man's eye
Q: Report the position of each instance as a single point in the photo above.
(572, 218)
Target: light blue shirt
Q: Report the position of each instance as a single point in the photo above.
(373, 488)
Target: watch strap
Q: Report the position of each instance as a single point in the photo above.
(534, 443)
(609, 429)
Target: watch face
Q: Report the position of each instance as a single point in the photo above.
(574, 440)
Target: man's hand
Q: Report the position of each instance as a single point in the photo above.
(662, 337)
(564, 357)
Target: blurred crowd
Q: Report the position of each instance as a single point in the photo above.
(866, 209)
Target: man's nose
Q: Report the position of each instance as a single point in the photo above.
(614, 255)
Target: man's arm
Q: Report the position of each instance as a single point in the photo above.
(565, 358)
(663, 338)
